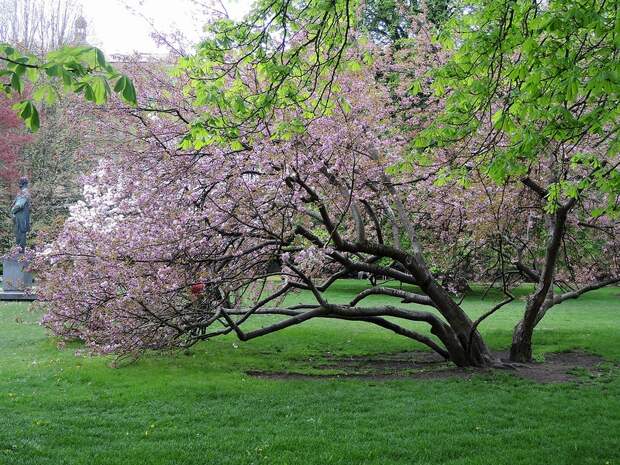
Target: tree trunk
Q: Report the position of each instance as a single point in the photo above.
(521, 348)
(469, 349)
(542, 298)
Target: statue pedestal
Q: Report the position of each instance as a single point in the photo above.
(14, 278)
(15, 281)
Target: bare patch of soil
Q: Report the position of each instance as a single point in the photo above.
(557, 367)
(563, 367)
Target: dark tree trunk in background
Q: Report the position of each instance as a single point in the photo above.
(521, 347)
(542, 298)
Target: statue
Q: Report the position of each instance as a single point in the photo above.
(17, 281)
(20, 211)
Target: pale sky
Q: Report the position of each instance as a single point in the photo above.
(113, 27)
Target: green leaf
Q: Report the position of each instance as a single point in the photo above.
(20, 70)
(120, 84)
(496, 119)
(354, 66)
(100, 58)
(17, 84)
(415, 88)
(22, 108)
(129, 93)
(67, 77)
(28, 112)
(345, 105)
(572, 89)
(33, 122)
(45, 92)
(236, 145)
(54, 70)
(89, 94)
(32, 74)
(125, 87)
(420, 142)
(100, 90)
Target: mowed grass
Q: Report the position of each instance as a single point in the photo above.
(201, 407)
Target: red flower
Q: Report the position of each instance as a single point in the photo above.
(198, 288)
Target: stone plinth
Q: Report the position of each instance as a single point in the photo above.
(14, 278)
(17, 296)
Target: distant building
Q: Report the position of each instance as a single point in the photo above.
(140, 57)
(79, 34)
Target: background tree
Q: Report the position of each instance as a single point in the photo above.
(390, 21)
(161, 221)
(535, 86)
(12, 140)
(35, 67)
(54, 159)
(40, 26)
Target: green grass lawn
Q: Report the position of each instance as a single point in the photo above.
(201, 407)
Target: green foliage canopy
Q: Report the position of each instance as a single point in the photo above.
(535, 78)
(283, 54)
(82, 69)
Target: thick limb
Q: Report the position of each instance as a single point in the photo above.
(521, 348)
